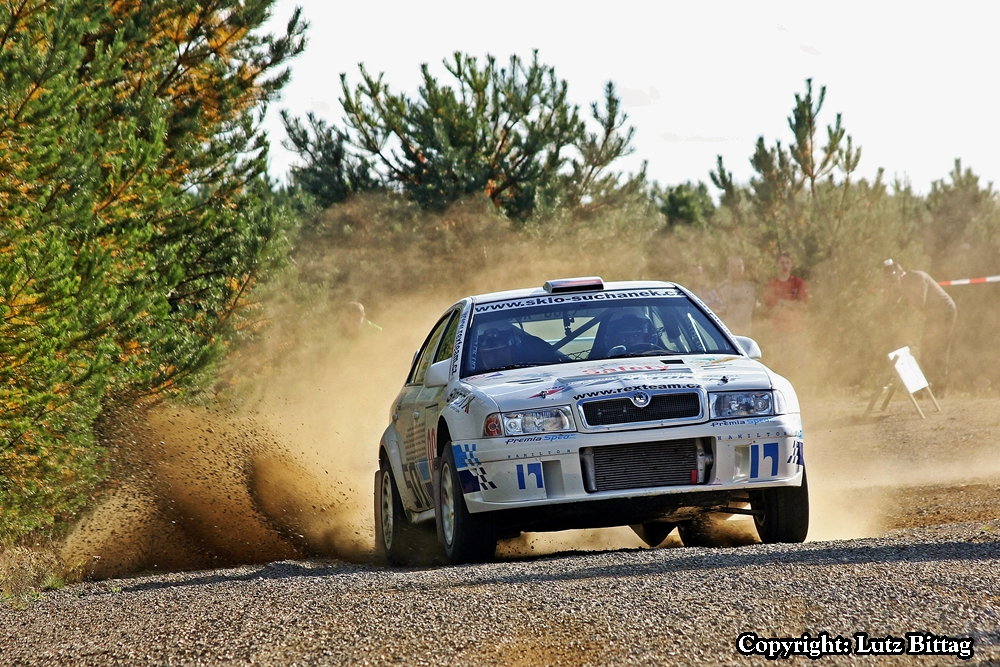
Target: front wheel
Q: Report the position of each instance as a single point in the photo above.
(782, 513)
(465, 537)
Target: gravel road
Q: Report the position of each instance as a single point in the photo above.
(935, 571)
(643, 607)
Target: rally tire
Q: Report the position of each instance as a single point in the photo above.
(654, 533)
(783, 513)
(395, 537)
(464, 537)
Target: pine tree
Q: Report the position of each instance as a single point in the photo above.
(686, 203)
(330, 173)
(731, 194)
(955, 208)
(776, 188)
(133, 217)
(508, 132)
(804, 150)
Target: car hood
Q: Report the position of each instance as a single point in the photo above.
(566, 383)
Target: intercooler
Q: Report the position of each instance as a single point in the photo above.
(644, 465)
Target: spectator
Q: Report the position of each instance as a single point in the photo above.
(786, 297)
(939, 312)
(696, 283)
(738, 298)
(353, 322)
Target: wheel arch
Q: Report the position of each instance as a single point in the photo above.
(389, 447)
(443, 437)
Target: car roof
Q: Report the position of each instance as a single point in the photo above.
(539, 291)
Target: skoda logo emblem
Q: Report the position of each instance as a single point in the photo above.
(640, 399)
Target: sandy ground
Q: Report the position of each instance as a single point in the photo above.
(895, 470)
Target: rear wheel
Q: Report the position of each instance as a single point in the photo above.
(652, 533)
(783, 513)
(394, 535)
(465, 537)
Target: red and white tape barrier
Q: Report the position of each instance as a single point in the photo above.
(970, 281)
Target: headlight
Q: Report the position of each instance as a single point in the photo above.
(546, 420)
(734, 404)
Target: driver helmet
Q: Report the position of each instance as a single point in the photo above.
(631, 330)
(497, 347)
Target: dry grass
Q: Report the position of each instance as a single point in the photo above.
(26, 572)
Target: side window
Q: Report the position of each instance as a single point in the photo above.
(448, 340)
(427, 352)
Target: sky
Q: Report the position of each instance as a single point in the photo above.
(917, 84)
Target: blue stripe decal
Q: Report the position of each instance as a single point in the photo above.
(465, 456)
(469, 480)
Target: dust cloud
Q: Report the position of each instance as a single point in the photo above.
(182, 503)
(287, 472)
(881, 471)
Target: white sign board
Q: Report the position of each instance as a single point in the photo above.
(908, 370)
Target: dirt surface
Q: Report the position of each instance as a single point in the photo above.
(905, 537)
(895, 470)
(631, 606)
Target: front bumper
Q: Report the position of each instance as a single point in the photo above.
(547, 470)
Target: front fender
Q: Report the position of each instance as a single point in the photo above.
(785, 387)
(465, 410)
(391, 443)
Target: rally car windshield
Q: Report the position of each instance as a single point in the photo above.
(539, 331)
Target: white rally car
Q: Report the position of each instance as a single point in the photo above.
(581, 405)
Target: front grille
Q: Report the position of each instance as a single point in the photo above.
(624, 411)
(642, 465)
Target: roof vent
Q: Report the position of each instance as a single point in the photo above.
(588, 284)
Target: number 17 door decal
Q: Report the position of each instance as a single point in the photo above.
(533, 470)
(770, 452)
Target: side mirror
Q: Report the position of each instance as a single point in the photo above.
(749, 346)
(437, 374)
